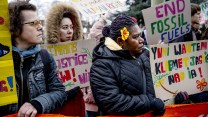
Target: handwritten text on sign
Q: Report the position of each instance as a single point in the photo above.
(74, 61)
(179, 67)
(169, 21)
(94, 7)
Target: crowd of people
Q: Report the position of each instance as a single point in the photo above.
(120, 76)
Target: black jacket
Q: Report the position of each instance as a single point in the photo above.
(120, 83)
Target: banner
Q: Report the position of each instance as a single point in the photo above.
(179, 67)
(167, 21)
(7, 77)
(95, 7)
(74, 60)
(42, 115)
(181, 110)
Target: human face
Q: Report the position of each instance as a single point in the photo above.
(31, 30)
(195, 19)
(66, 30)
(134, 43)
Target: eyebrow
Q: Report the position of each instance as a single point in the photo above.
(67, 25)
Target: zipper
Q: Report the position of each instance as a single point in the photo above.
(21, 75)
(29, 96)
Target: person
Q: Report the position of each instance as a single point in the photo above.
(120, 74)
(195, 33)
(63, 24)
(36, 92)
(95, 33)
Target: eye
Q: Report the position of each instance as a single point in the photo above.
(32, 23)
(136, 36)
(65, 27)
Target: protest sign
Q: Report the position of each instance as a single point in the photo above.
(95, 7)
(179, 67)
(204, 11)
(7, 79)
(74, 60)
(167, 21)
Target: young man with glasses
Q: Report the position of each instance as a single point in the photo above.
(37, 92)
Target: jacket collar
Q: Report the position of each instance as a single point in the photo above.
(28, 52)
(111, 44)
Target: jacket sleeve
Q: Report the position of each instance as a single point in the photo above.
(56, 94)
(146, 65)
(108, 95)
(96, 30)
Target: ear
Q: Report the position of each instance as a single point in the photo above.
(120, 42)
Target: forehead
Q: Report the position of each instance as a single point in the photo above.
(134, 29)
(29, 15)
(65, 21)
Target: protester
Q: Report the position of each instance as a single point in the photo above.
(38, 87)
(63, 24)
(195, 33)
(121, 84)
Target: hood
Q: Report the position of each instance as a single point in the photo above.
(110, 50)
(53, 20)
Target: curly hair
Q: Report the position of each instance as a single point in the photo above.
(16, 18)
(113, 30)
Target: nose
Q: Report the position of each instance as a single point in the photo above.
(40, 27)
(69, 31)
(141, 40)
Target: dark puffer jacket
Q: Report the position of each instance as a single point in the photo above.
(120, 83)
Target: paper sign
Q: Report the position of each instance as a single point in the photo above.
(204, 11)
(167, 21)
(179, 67)
(74, 60)
(95, 7)
(8, 93)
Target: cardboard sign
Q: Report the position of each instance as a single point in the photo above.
(179, 67)
(167, 21)
(95, 7)
(8, 93)
(74, 60)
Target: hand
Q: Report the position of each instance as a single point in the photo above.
(89, 98)
(105, 16)
(158, 107)
(27, 110)
(181, 97)
(160, 42)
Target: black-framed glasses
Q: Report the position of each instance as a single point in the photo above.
(34, 23)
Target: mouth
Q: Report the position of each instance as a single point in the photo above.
(70, 37)
(40, 35)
